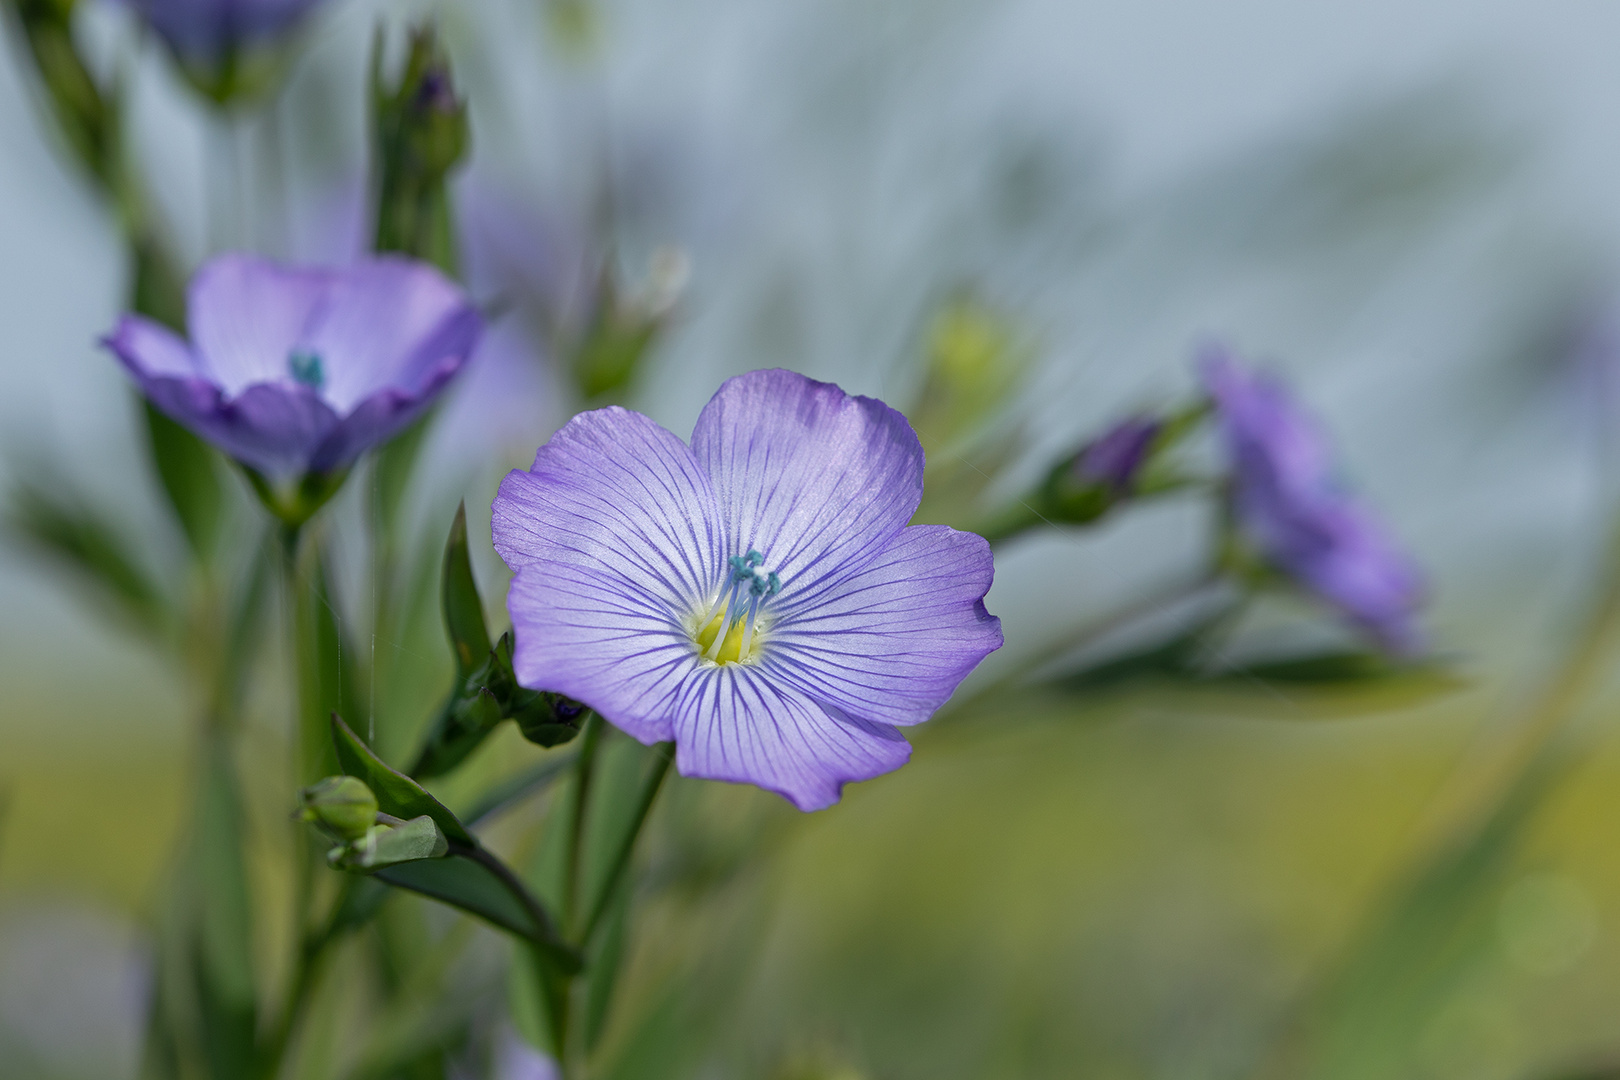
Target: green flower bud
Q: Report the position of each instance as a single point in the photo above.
(342, 805)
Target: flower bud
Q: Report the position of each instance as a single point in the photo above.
(547, 719)
(626, 322)
(421, 135)
(342, 805)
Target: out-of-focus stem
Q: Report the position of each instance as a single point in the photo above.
(664, 753)
(1491, 773)
(584, 770)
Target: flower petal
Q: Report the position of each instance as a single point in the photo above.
(816, 480)
(614, 538)
(891, 642)
(387, 322)
(614, 492)
(149, 349)
(734, 723)
(383, 414)
(246, 314)
(272, 428)
(598, 639)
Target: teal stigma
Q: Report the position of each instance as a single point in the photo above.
(729, 633)
(747, 568)
(305, 368)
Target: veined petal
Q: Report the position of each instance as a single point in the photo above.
(816, 480)
(618, 496)
(386, 322)
(890, 642)
(735, 723)
(382, 415)
(246, 315)
(602, 640)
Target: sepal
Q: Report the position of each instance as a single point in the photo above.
(387, 844)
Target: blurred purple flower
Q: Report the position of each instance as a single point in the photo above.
(756, 596)
(1289, 504)
(295, 370)
(205, 30)
(1114, 459)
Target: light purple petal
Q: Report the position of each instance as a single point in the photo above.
(272, 428)
(383, 414)
(890, 642)
(203, 30)
(247, 314)
(1267, 430)
(602, 639)
(149, 349)
(386, 322)
(816, 480)
(614, 538)
(735, 723)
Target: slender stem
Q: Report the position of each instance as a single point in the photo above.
(312, 949)
(664, 754)
(584, 770)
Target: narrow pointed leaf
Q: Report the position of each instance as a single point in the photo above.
(397, 794)
(467, 883)
(463, 610)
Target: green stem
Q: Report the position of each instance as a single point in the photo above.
(664, 754)
(312, 949)
(584, 770)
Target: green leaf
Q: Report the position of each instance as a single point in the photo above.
(1337, 683)
(463, 610)
(397, 794)
(84, 540)
(471, 884)
(188, 470)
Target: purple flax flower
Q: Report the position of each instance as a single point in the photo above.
(1116, 457)
(1289, 504)
(295, 370)
(206, 30)
(757, 596)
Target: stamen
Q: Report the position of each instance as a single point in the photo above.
(729, 632)
(305, 367)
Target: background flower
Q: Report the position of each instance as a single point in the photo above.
(204, 30)
(645, 572)
(297, 369)
(1291, 506)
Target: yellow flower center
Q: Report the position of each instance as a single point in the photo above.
(721, 640)
(731, 630)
